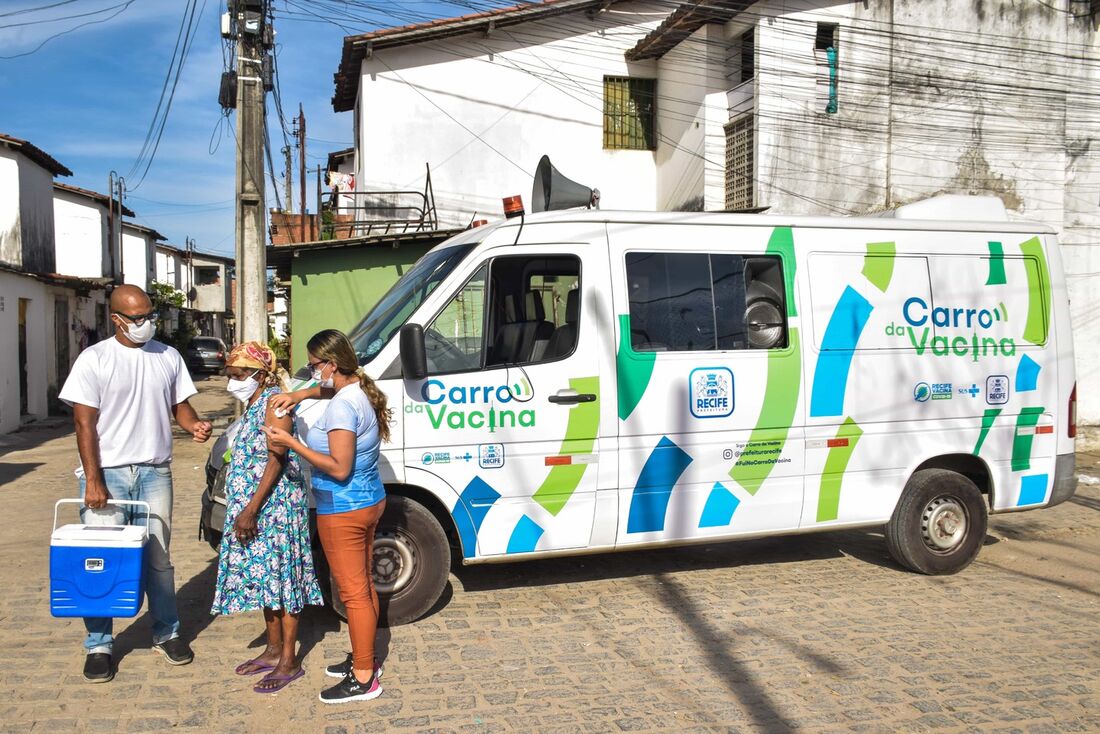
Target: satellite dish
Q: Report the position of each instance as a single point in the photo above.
(553, 191)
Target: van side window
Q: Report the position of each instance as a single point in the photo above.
(705, 302)
(517, 310)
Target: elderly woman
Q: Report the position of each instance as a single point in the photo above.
(264, 560)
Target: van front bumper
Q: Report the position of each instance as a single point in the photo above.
(1065, 479)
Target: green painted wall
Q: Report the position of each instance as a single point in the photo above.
(334, 289)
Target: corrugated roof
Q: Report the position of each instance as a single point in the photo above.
(101, 198)
(279, 257)
(36, 154)
(684, 21)
(356, 48)
(336, 156)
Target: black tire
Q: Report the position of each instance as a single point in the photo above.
(408, 532)
(939, 524)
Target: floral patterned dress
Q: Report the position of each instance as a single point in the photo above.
(275, 569)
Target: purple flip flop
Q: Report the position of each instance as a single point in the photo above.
(260, 667)
(282, 680)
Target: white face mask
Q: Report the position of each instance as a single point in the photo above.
(140, 334)
(317, 376)
(243, 389)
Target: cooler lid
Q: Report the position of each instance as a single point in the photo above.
(104, 536)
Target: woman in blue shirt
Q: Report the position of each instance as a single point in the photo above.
(343, 448)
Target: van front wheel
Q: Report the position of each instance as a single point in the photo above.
(411, 561)
(939, 524)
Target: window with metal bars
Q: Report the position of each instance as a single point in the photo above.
(629, 113)
(739, 163)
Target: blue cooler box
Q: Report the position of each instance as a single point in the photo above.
(96, 570)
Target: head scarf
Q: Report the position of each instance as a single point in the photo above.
(256, 356)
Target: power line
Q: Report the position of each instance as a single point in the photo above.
(122, 9)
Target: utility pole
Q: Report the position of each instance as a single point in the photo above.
(289, 178)
(302, 166)
(189, 249)
(248, 22)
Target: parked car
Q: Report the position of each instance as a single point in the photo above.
(205, 354)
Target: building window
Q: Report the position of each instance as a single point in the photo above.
(207, 275)
(686, 301)
(629, 113)
(748, 55)
(826, 59)
(739, 163)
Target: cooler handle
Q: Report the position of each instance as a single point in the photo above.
(80, 502)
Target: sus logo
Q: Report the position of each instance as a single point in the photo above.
(711, 391)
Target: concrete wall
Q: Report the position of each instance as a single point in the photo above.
(83, 328)
(481, 111)
(215, 296)
(14, 287)
(691, 113)
(168, 270)
(26, 213)
(809, 161)
(11, 247)
(36, 220)
(81, 236)
(138, 258)
(334, 289)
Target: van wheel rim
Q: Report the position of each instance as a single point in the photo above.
(393, 563)
(943, 524)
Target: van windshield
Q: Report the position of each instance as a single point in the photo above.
(406, 295)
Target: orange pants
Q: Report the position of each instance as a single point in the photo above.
(348, 540)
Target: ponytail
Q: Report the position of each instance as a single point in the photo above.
(378, 401)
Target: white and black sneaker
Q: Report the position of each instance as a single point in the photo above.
(341, 670)
(350, 689)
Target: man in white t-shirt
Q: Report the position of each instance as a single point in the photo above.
(124, 392)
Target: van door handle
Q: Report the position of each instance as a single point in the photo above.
(571, 397)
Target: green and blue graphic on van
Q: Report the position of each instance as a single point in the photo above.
(711, 392)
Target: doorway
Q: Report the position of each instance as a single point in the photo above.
(24, 304)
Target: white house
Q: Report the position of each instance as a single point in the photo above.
(205, 282)
(481, 98)
(168, 265)
(45, 318)
(87, 226)
(139, 254)
(796, 106)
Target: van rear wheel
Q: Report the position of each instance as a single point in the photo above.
(939, 524)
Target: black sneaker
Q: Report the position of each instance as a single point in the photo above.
(176, 650)
(341, 670)
(349, 689)
(97, 668)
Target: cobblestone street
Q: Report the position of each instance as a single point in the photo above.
(815, 633)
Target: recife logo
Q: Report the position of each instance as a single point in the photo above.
(711, 392)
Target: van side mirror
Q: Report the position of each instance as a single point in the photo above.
(414, 362)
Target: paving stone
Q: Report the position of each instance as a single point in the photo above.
(818, 633)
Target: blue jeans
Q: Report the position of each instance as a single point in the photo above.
(146, 483)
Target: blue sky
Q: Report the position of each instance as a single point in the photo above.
(88, 97)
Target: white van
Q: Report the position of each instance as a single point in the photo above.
(587, 381)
